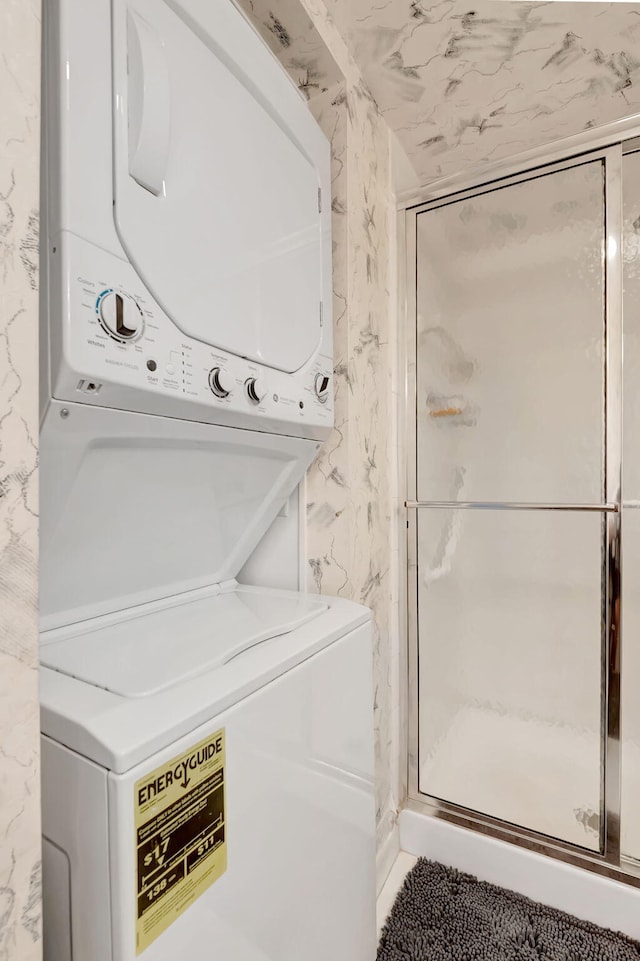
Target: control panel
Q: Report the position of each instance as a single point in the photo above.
(121, 350)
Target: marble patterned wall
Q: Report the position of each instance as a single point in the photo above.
(348, 488)
(465, 84)
(370, 380)
(349, 517)
(289, 32)
(20, 938)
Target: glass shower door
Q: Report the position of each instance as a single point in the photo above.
(513, 530)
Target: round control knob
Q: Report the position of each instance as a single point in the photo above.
(322, 385)
(120, 316)
(220, 382)
(255, 389)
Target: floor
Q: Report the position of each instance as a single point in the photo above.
(402, 865)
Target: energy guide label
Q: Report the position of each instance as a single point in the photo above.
(179, 835)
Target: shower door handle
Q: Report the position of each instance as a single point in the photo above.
(511, 506)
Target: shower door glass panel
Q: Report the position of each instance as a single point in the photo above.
(630, 817)
(510, 332)
(509, 665)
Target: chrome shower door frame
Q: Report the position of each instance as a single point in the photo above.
(608, 860)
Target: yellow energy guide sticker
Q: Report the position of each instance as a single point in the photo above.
(180, 835)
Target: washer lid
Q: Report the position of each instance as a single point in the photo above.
(216, 204)
(119, 732)
(146, 652)
(138, 507)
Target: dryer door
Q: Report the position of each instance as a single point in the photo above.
(216, 204)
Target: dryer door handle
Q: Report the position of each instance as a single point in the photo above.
(149, 104)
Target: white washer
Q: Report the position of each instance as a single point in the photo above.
(298, 813)
(207, 750)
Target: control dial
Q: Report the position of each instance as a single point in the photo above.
(220, 382)
(120, 316)
(255, 389)
(322, 385)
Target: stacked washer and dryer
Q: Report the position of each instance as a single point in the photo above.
(207, 755)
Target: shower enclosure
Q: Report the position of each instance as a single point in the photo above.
(523, 507)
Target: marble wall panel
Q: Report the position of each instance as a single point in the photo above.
(464, 85)
(328, 489)
(290, 34)
(370, 379)
(20, 873)
(349, 533)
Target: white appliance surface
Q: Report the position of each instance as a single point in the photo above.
(299, 808)
(280, 560)
(253, 266)
(187, 245)
(134, 508)
(117, 730)
(148, 652)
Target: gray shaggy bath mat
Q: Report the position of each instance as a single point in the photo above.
(443, 915)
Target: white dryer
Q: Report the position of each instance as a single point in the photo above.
(207, 748)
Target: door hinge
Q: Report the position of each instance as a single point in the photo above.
(319, 200)
(321, 313)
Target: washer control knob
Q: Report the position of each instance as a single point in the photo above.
(322, 385)
(120, 316)
(255, 389)
(220, 382)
